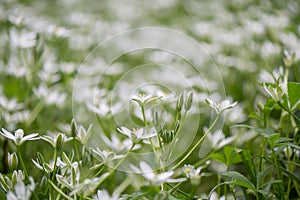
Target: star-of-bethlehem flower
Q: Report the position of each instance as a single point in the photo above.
(155, 178)
(220, 107)
(18, 138)
(104, 195)
(118, 145)
(276, 92)
(106, 156)
(190, 171)
(194, 175)
(136, 134)
(142, 99)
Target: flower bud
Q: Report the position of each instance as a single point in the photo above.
(188, 103)
(12, 161)
(180, 102)
(59, 142)
(73, 128)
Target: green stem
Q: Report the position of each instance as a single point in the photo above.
(22, 162)
(54, 166)
(177, 132)
(278, 172)
(76, 149)
(38, 108)
(58, 190)
(175, 188)
(198, 143)
(288, 110)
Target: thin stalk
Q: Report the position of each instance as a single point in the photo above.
(288, 110)
(278, 172)
(174, 188)
(296, 187)
(22, 163)
(54, 166)
(76, 149)
(177, 132)
(59, 191)
(37, 109)
(198, 143)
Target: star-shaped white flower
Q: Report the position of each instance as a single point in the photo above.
(142, 99)
(136, 134)
(18, 138)
(190, 171)
(155, 178)
(220, 107)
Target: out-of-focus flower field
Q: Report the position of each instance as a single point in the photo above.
(161, 99)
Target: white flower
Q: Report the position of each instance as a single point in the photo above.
(156, 179)
(18, 137)
(106, 156)
(220, 107)
(117, 145)
(104, 195)
(10, 104)
(142, 99)
(83, 134)
(190, 171)
(276, 92)
(218, 139)
(103, 109)
(22, 39)
(21, 191)
(136, 134)
(71, 179)
(50, 96)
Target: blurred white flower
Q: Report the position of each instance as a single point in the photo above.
(10, 104)
(22, 39)
(118, 145)
(103, 109)
(155, 178)
(106, 156)
(58, 31)
(15, 68)
(50, 96)
(136, 134)
(18, 138)
(21, 191)
(104, 195)
(220, 107)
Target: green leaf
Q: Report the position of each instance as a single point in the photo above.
(293, 93)
(239, 179)
(231, 156)
(2, 194)
(262, 175)
(249, 165)
(218, 157)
